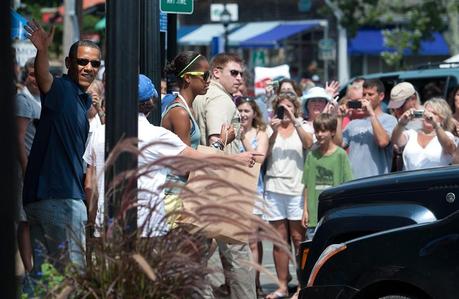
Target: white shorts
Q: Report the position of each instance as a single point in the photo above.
(282, 206)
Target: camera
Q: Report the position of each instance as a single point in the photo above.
(280, 111)
(418, 113)
(355, 104)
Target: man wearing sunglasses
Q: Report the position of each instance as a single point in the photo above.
(212, 110)
(53, 186)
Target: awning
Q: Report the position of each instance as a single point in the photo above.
(371, 42)
(253, 34)
(203, 34)
(271, 38)
(184, 30)
(250, 31)
(17, 26)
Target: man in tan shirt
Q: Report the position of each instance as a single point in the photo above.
(214, 109)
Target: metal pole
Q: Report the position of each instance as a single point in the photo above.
(343, 63)
(150, 54)
(325, 60)
(225, 25)
(122, 89)
(171, 36)
(71, 31)
(8, 135)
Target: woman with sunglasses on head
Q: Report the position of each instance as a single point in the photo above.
(254, 138)
(287, 144)
(192, 72)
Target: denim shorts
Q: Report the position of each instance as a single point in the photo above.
(57, 232)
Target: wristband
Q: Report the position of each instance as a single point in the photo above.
(101, 114)
(217, 144)
(297, 124)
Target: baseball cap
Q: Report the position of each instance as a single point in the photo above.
(146, 89)
(400, 93)
(316, 92)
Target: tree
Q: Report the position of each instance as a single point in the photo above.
(407, 22)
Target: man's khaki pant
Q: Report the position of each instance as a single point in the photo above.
(235, 258)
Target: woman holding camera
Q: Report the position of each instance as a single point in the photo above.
(431, 146)
(283, 186)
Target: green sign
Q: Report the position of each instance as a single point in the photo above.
(176, 6)
(259, 58)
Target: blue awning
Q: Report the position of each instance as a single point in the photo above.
(17, 26)
(247, 35)
(184, 30)
(371, 42)
(272, 37)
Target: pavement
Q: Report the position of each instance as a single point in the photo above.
(267, 283)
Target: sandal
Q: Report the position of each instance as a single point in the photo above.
(277, 295)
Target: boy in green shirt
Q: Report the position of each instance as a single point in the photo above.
(325, 167)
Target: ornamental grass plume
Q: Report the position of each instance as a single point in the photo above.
(122, 264)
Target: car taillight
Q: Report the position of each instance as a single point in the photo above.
(328, 253)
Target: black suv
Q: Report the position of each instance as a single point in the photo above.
(415, 262)
(362, 207)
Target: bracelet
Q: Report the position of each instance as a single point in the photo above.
(218, 144)
(101, 114)
(297, 124)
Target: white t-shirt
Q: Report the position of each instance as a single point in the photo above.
(161, 143)
(285, 166)
(94, 155)
(417, 157)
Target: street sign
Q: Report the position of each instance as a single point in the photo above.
(327, 49)
(259, 58)
(177, 6)
(216, 10)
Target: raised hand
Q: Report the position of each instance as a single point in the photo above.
(38, 36)
(332, 89)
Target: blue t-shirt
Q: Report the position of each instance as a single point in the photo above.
(367, 158)
(55, 167)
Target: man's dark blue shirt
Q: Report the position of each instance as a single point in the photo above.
(55, 167)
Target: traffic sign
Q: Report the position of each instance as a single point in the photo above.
(327, 49)
(177, 6)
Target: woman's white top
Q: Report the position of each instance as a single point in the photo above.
(432, 155)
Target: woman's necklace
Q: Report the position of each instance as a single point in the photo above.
(182, 99)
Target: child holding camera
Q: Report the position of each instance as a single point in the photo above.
(431, 146)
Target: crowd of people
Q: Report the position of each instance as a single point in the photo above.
(307, 140)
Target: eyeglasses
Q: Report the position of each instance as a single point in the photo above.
(235, 73)
(84, 62)
(287, 95)
(205, 75)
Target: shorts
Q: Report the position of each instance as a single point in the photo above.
(282, 206)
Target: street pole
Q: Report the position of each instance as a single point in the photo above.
(325, 25)
(150, 54)
(8, 136)
(122, 67)
(71, 29)
(225, 25)
(343, 64)
(171, 36)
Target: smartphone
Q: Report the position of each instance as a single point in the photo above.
(280, 112)
(355, 104)
(418, 113)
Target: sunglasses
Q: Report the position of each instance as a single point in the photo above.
(287, 95)
(235, 73)
(204, 75)
(84, 62)
(238, 100)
